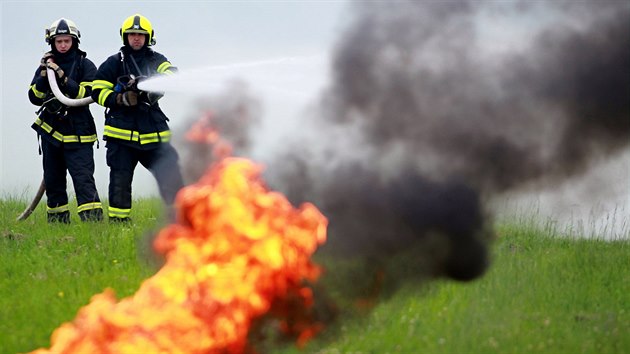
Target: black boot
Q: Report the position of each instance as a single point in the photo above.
(116, 220)
(92, 215)
(63, 217)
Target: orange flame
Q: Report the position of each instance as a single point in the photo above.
(203, 131)
(237, 252)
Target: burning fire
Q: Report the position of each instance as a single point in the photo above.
(204, 132)
(238, 252)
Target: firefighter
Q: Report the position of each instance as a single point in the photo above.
(67, 133)
(136, 129)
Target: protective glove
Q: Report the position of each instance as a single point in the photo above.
(42, 63)
(129, 99)
(138, 79)
(45, 58)
(150, 97)
(58, 72)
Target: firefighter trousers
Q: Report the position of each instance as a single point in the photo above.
(162, 162)
(79, 162)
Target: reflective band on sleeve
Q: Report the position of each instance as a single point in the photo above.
(163, 67)
(103, 96)
(102, 84)
(81, 93)
(106, 90)
(38, 94)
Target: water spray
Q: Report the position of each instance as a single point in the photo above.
(280, 75)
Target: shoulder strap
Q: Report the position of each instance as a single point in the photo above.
(71, 74)
(80, 66)
(121, 57)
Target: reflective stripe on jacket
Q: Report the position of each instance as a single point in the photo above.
(143, 126)
(59, 124)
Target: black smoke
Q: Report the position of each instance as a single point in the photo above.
(409, 75)
(435, 127)
(422, 126)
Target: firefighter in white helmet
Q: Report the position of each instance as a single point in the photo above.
(136, 129)
(67, 133)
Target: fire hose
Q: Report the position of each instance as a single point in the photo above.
(31, 207)
(70, 102)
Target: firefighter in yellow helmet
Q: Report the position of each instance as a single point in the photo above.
(67, 133)
(136, 129)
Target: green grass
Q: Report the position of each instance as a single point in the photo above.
(47, 272)
(542, 294)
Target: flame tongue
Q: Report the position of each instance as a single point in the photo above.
(237, 251)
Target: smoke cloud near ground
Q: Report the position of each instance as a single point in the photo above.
(421, 126)
(424, 128)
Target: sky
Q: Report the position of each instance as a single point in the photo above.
(193, 35)
(280, 48)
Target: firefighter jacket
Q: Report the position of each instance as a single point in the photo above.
(143, 126)
(69, 127)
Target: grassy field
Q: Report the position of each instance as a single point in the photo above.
(542, 294)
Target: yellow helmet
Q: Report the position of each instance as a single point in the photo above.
(62, 27)
(137, 24)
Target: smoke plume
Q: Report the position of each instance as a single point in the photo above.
(423, 127)
(410, 78)
(233, 115)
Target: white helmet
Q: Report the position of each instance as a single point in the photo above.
(62, 27)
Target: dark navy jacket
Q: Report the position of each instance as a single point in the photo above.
(69, 127)
(143, 126)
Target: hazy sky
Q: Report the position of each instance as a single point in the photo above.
(281, 48)
(192, 35)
